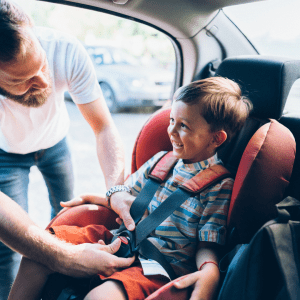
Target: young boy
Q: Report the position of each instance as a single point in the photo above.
(204, 115)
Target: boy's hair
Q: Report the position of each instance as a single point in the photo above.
(220, 103)
(13, 37)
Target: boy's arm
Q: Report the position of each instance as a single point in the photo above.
(21, 234)
(206, 280)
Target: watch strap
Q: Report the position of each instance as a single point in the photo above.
(115, 189)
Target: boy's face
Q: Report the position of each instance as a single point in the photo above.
(190, 134)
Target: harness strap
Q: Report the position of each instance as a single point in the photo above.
(163, 166)
(157, 175)
(202, 181)
(194, 185)
(148, 250)
(141, 202)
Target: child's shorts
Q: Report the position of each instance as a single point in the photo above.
(136, 284)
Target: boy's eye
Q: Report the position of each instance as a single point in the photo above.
(171, 120)
(183, 125)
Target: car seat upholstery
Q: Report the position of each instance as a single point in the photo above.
(267, 82)
(260, 156)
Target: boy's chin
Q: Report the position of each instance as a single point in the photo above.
(177, 154)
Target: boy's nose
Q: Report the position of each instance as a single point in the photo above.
(172, 129)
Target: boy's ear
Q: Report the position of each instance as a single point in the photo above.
(219, 138)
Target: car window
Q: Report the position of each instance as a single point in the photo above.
(135, 67)
(275, 30)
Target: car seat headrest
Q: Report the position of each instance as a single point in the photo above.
(262, 177)
(152, 138)
(265, 80)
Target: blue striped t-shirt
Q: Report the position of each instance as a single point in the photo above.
(200, 218)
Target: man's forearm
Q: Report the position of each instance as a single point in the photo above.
(110, 148)
(21, 234)
(111, 155)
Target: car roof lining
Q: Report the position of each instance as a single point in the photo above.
(166, 15)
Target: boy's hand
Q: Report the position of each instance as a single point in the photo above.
(205, 283)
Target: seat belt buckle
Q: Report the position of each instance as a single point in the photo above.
(127, 248)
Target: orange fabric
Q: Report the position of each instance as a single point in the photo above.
(137, 285)
(80, 235)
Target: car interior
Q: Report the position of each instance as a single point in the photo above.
(261, 173)
(262, 156)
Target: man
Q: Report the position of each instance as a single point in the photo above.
(37, 65)
(20, 233)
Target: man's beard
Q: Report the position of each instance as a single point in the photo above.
(32, 98)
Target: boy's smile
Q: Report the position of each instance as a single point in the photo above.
(190, 134)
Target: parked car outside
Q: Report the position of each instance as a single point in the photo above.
(125, 82)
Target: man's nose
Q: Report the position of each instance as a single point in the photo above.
(40, 81)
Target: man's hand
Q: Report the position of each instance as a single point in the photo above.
(98, 199)
(205, 283)
(121, 202)
(89, 259)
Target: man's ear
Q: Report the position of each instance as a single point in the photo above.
(219, 138)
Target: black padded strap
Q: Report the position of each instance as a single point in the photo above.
(142, 201)
(165, 209)
(282, 241)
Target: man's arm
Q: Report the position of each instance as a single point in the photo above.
(110, 148)
(21, 234)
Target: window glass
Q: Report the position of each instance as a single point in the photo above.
(135, 66)
(273, 27)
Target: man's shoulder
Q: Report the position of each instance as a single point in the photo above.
(50, 35)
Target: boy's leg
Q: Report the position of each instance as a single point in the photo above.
(108, 290)
(14, 180)
(56, 167)
(129, 283)
(30, 281)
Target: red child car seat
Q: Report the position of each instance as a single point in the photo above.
(261, 171)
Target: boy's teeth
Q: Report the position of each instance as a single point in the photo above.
(176, 145)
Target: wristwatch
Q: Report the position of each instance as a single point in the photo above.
(115, 189)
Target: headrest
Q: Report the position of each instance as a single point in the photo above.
(265, 80)
(152, 138)
(262, 177)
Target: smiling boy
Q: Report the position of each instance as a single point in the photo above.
(204, 115)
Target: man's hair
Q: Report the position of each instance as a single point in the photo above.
(220, 103)
(13, 39)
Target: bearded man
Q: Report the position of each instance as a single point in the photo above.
(37, 65)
